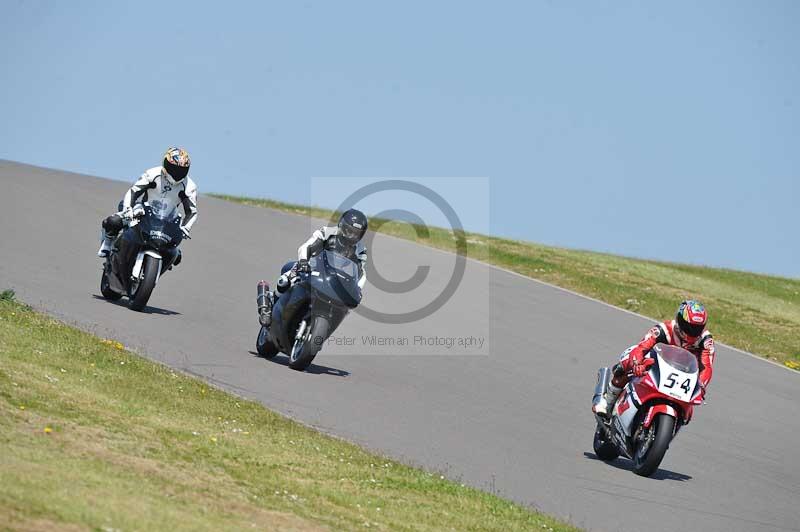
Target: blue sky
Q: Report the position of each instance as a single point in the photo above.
(663, 130)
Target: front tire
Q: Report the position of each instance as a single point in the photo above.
(306, 348)
(646, 462)
(264, 344)
(145, 288)
(105, 287)
(605, 450)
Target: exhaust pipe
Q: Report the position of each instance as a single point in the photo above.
(263, 302)
(603, 377)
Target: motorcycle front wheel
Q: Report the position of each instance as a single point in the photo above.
(141, 295)
(652, 445)
(307, 346)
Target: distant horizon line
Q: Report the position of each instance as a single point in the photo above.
(520, 240)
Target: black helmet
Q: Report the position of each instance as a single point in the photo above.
(352, 226)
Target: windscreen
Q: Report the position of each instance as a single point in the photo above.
(678, 358)
(163, 210)
(342, 264)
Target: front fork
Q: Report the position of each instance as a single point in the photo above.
(138, 270)
(301, 329)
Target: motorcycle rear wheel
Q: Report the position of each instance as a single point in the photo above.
(605, 450)
(105, 288)
(646, 463)
(264, 345)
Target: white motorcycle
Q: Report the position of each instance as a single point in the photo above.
(650, 410)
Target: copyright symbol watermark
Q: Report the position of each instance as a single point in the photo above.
(402, 213)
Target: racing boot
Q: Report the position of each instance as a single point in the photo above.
(106, 244)
(605, 403)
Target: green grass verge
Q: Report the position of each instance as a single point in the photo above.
(757, 313)
(95, 437)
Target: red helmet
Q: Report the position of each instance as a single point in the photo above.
(691, 319)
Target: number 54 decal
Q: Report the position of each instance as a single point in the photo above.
(671, 382)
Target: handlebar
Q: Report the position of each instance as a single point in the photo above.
(133, 213)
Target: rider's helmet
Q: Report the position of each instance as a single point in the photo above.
(176, 163)
(352, 227)
(691, 320)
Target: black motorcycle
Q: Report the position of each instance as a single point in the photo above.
(142, 253)
(311, 309)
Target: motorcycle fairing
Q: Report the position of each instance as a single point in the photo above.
(336, 278)
(641, 397)
(289, 310)
(626, 409)
(137, 266)
(660, 409)
(644, 398)
(158, 231)
(314, 295)
(123, 259)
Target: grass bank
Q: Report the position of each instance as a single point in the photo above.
(93, 437)
(757, 313)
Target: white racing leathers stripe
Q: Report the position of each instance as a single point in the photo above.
(155, 184)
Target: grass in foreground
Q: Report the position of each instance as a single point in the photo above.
(94, 437)
(757, 313)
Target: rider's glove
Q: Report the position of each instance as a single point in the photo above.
(137, 211)
(640, 366)
(185, 231)
(303, 266)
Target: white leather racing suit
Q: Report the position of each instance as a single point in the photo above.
(157, 185)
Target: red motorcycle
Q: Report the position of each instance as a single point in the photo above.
(650, 410)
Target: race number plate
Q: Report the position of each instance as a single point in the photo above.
(676, 383)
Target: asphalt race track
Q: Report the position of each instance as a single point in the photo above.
(515, 421)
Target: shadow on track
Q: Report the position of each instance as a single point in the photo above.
(149, 309)
(314, 369)
(627, 465)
